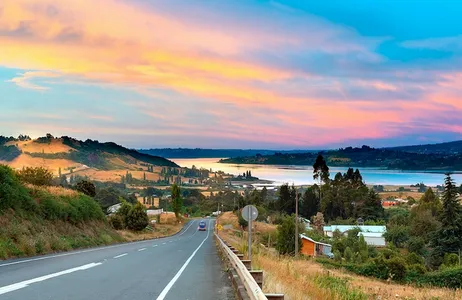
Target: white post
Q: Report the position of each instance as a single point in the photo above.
(249, 250)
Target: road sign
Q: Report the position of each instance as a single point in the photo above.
(249, 212)
(220, 227)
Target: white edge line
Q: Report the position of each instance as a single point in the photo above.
(121, 255)
(142, 249)
(155, 245)
(23, 284)
(178, 274)
(80, 252)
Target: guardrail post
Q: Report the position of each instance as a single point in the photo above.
(240, 256)
(247, 263)
(258, 276)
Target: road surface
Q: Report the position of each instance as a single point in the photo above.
(184, 266)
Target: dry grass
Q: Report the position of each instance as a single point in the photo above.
(403, 195)
(300, 279)
(231, 218)
(115, 175)
(53, 165)
(160, 230)
(55, 190)
(55, 146)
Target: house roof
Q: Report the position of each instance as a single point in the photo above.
(311, 240)
(370, 234)
(363, 228)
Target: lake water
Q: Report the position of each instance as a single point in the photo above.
(304, 174)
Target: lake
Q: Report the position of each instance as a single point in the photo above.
(299, 175)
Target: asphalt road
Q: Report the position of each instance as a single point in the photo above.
(184, 266)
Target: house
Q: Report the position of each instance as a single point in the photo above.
(373, 238)
(389, 203)
(312, 248)
(149, 201)
(373, 234)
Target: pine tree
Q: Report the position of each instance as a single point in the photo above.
(320, 169)
(177, 201)
(59, 173)
(448, 239)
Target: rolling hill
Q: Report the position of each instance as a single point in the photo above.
(87, 158)
(449, 148)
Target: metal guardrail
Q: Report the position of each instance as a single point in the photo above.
(251, 286)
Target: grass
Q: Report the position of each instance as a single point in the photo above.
(31, 235)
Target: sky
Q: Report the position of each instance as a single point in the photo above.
(233, 74)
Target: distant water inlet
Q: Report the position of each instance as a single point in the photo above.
(304, 174)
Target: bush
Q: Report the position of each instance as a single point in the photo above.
(286, 237)
(413, 259)
(36, 176)
(117, 222)
(417, 269)
(337, 256)
(137, 218)
(86, 187)
(12, 193)
(397, 268)
(451, 278)
(124, 210)
(242, 222)
(416, 245)
(348, 254)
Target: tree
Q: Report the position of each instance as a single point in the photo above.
(448, 239)
(423, 224)
(372, 208)
(318, 222)
(398, 235)
(36, 176)
(286, 236)
(144, 176)
(137, 218)
(124, 210)
(348, 254)
(177, 200)
(86, 187)
(430, 201)
(460, 189)
(59, 172)
(320, 169)
(309, 205)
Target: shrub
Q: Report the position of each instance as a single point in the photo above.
(124, 210)
(348, 254)
(12, 193)
(36, 176)
(137, 218)
(337, 256)
(286, 237)
(417, 268)
(416, 245)
(397, 268)
(117, 222)
(242, 222)
(413, 259)
(451, 278)
(86, 187)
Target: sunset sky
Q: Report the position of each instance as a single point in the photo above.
(232, 74)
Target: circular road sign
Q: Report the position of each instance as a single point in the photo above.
(220, 227)
(253, 213)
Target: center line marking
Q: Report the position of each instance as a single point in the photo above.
(164, 243)
(154, 245)
(121, 255)
(26, 283)
(174, 279)
(142, 249)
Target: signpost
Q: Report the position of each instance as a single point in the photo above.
(249, 213)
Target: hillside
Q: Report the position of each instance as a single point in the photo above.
(449, 148)
(85, 158)
(361, 157)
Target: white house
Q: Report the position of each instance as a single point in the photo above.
(373, 238)
(373, 234)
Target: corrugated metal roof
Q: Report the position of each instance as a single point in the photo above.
(363, 228)
(371, 234)
(311, 240)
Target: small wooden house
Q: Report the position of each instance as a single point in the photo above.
(312, 248)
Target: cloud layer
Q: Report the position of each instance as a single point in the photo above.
(230, 74)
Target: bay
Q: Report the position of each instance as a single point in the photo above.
(300, 175)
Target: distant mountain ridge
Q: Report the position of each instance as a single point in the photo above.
(363, 157)
(454, 147)
(212, 153)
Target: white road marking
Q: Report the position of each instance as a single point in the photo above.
(121, 255)
(26, 283)
(155, 245)
(142, 249)
(192, 222)
(174, 279)
(164, 243)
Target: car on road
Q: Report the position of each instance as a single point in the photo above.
(202, 226)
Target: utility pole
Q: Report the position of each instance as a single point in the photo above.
(296, 223)
(249, 225)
